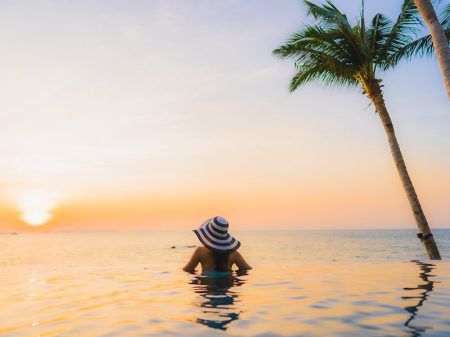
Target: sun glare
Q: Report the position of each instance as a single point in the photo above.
(36, 206)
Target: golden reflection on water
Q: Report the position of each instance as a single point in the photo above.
(92, 292)
(218, 300)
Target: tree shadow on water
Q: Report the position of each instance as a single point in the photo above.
(217, 299)
(427, 287)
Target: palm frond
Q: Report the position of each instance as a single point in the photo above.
(422, 46)
(314, 38)
(330, 18)
(319, 54)
(403, 32)
(328, 14)
(444, 17)
(419, 47)
(378, 33)
(329, 73)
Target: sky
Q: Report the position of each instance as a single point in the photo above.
(122, 115)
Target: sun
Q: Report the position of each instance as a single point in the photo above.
(35, 207)
(36, 218)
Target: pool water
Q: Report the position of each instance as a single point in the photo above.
(304, 283)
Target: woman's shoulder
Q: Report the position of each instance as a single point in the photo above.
(235, 255)
(202, 250)
(239, 260)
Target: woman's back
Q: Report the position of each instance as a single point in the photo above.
(208, 260)
(216, 261)
(221, 260)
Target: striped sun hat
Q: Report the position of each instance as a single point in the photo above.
(213, 234)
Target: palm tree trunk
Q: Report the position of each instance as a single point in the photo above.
(424, 230)
(440, 42)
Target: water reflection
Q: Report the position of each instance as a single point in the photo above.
(427, 287)
(217, 299)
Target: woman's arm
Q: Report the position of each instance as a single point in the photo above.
(193, 262)
(240, 262)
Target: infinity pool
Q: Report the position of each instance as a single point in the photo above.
(131, 284)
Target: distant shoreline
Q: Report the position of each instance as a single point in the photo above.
(239, 230)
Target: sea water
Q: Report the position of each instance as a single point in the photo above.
(304, 283)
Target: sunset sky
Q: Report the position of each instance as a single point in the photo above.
(159, 114)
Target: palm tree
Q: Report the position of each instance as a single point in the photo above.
(333, 51)
(440, 40)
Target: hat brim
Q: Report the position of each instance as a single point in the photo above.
(214, 245)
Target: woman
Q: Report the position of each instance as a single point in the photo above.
(219, 253)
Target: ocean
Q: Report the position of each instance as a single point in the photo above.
(303, 283)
